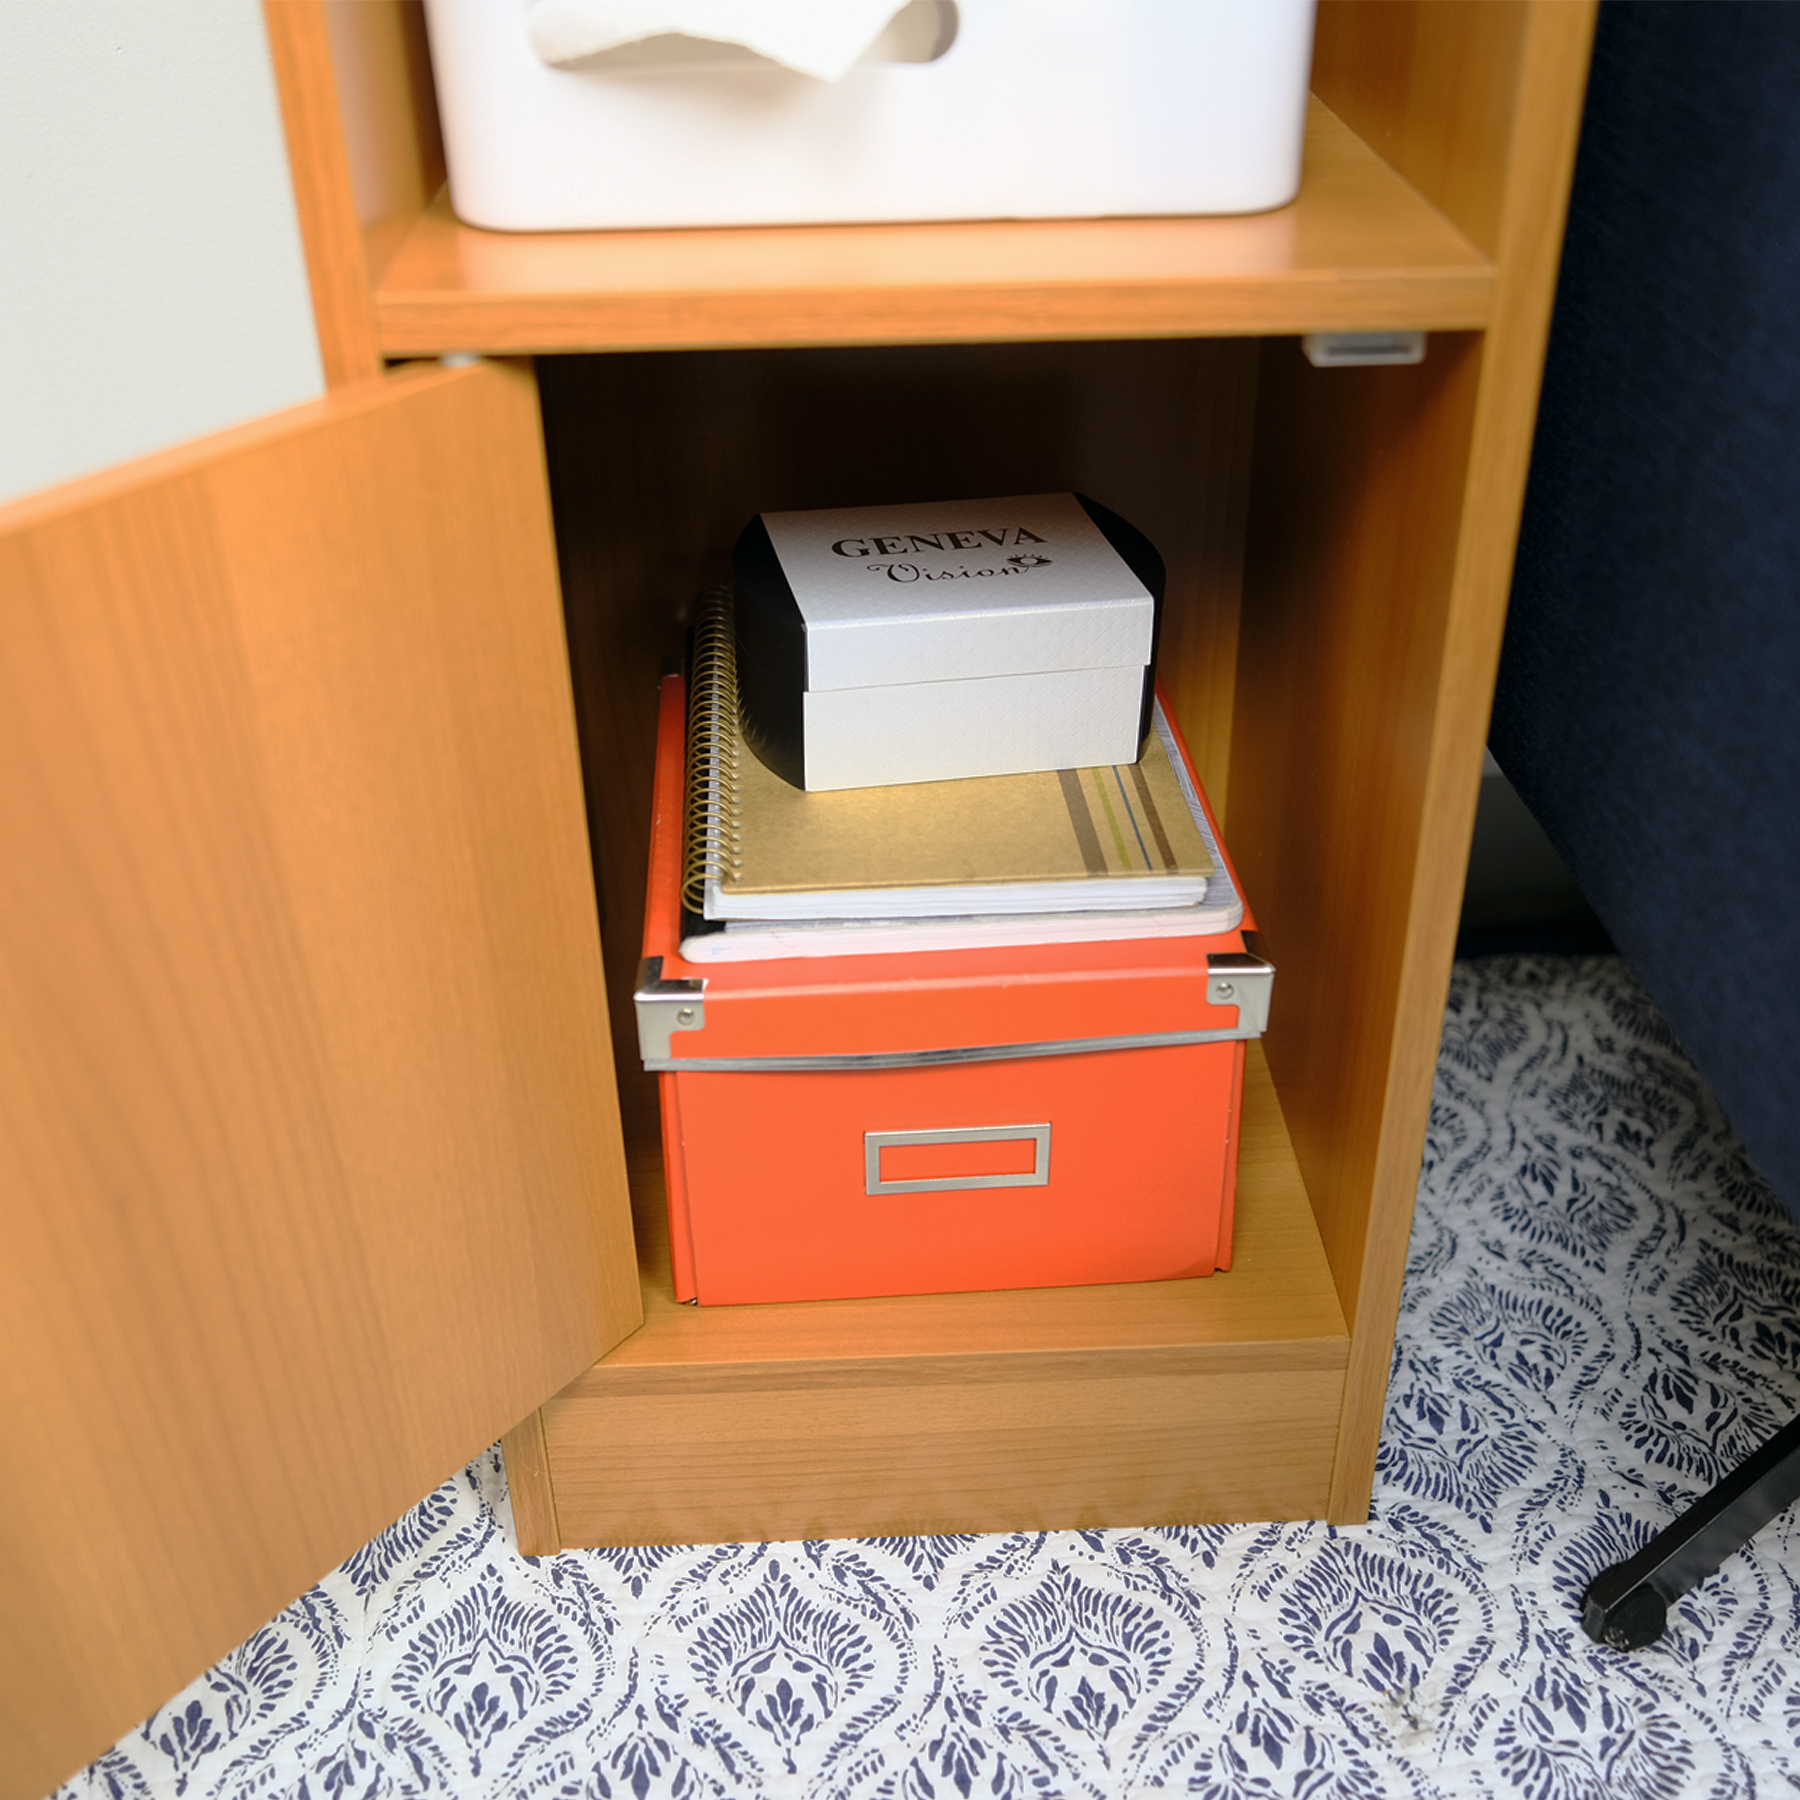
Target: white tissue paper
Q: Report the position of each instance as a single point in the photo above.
(821, 38)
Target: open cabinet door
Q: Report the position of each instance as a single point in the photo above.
(310, 1173)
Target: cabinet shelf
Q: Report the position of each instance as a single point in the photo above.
(970, 1384)
(1278, 1294)
(1359, 249)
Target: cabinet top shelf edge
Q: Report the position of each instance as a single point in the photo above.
(1360, 249)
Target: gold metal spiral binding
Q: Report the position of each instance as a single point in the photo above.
(711, 841)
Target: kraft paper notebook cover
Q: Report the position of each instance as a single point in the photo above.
(1125, 838)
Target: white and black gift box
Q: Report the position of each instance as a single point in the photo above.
(887, 644)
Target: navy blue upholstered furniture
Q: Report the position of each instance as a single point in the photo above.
(1649, 701)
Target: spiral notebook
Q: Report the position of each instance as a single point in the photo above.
(1125, 851)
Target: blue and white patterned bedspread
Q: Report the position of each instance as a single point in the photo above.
(1601, 1314)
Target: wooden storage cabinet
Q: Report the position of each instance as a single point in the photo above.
(305, 1105)
(1339, 546)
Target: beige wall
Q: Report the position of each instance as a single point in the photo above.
(152, 285)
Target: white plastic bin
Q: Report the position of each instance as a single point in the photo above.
(1037, 109)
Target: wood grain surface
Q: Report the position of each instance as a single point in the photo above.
(1355, 495)
(387, 113)
(1149, 1403)
(1359, 249)
(1383, 513)
(309, 1160)
(1432, 88)
(528, 1487)
(1551, 67)
(307, 1141)
(1041, 1408)
(336, 266)
(1025, 1452)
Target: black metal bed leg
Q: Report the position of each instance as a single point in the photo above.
(1625, 1607)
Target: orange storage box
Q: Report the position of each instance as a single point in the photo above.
(852, 1126)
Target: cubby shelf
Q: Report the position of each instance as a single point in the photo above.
(1358, 250)
(980, 1386)
(1280, 1294)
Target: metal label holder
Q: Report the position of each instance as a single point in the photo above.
(874, 1142)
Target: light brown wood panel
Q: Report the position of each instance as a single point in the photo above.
(336, 267)
(657, 461)
(1380, 553)
(1552, 78)
(1357, 490)
(309, 1160)
(1009, 1453)
(528, 1488)
(387, 113)
(1433, 87)
(1359, 249)
(633, 1444)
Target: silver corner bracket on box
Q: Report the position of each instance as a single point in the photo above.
(664, 1007)
(1244, 979)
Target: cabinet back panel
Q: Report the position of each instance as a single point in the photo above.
(1435, 89)
(657, 461)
